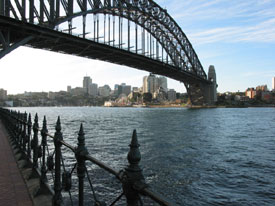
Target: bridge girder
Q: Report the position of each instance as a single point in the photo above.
(154, 19)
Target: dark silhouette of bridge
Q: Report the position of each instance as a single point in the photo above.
(134, 33)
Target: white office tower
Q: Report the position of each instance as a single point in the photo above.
(273, 84)
(150, 84)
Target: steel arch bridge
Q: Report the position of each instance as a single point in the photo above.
(135, 33)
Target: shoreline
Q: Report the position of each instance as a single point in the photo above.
(170, 106)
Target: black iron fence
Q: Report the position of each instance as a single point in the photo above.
(26, 136)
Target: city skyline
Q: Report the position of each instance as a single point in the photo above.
(237, 38)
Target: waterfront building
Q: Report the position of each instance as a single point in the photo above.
(51, 95)
(239, 98)
(160, 95)
(104, 91)
(145, 84)
(162, 82)
(87, 81)
(172, 95)
(123, 89)
(69, 89)
(126, 90)
(119, 90)
(273, 84)
(78, 91)
(93, 89)
(3, 94)
(27, 94)
(262, 88)
(152, 83)
(116, 86)
(250, 92)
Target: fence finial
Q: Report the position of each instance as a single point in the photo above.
(133, 182)
(58, 136)
(29, 135)
(81, 152)
(44, 132)
(35, 141)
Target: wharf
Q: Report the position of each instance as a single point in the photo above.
(13, 189)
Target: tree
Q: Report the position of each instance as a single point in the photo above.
(147, 97)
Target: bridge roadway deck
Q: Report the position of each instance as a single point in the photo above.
(13, 190)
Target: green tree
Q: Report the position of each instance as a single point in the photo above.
(147, 97)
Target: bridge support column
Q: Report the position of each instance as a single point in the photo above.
(2, 8)
(201, 94)
(212, 88)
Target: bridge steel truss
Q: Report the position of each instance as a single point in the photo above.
(150, 40)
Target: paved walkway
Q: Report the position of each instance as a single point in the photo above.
(13, 190)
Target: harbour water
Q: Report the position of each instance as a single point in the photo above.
(191, 156)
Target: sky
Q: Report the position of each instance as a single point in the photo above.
(236, 36)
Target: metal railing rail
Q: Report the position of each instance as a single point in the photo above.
(133, 183)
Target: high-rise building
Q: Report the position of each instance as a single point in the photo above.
(3, 94)
(172, 95)
(162, 82)
(152, 83)
(145, 84)
(250, 92)
(87, 81)
(273, 84)
(77, 91)
(262, 88)
(104, 91)
(123, 89)
(69, 89)
(93, 90)
(126, 89)
(116, 87)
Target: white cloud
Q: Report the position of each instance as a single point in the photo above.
(262, 32)
(268, 73)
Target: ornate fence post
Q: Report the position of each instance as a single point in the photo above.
(57, 199)
(19, 129)
(44, 132)
(35, 141)
(22, 131)
(29, 136)
(12, 125)
(133, 178)
(24, 135)
(81, 152)
(15, 126)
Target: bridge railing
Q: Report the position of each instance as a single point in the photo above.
(45, 161)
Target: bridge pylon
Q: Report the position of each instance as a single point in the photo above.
(201, 94)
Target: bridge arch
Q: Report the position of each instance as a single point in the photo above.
(150, 16)
(40, 22)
